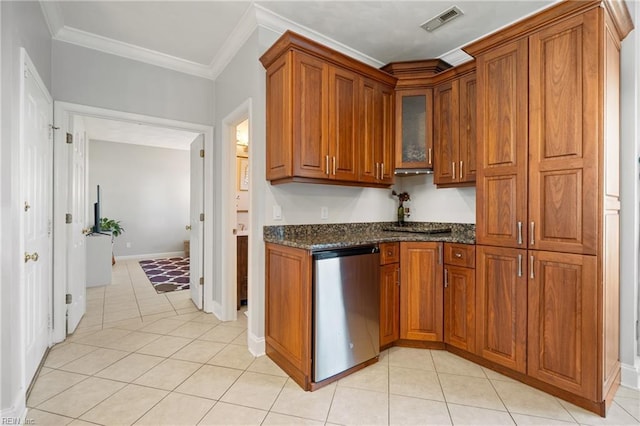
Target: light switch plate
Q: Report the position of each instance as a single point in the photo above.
(324, 212)
(277, 212)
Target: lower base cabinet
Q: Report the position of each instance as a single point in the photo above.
(389, 304)
(421, 291)
(288, 311)
(501, 306)
(460, 296)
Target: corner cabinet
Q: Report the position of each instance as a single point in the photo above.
(414, 131)
(329, 117)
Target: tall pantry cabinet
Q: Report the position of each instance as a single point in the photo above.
(548, 199)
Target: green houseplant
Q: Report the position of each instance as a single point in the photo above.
(116, 229)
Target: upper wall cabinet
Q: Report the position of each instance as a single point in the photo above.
(329, 117)
(414, 112)
(454, 127)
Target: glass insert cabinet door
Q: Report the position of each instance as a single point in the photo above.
(414, 137)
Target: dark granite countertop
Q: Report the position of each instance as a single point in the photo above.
(331, 236)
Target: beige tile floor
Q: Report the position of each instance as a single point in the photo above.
(143, 358)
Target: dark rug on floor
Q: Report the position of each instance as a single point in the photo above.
(167, 274)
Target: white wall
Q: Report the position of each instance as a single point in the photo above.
(147, 189)
(429, 204)
(630, 199)
(89, 77)
(22, 25)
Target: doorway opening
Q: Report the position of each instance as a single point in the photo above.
(73, 119)
(242, 214)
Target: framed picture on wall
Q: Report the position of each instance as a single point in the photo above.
(243, 174)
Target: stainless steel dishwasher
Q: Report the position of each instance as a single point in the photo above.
(346, 309)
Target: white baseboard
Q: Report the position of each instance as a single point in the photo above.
(17, 413)
(630, 376)
(151, 256)
(217, 310)
(256, 345)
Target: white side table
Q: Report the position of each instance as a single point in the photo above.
(99, 252)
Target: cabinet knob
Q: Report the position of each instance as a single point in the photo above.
(458, 255)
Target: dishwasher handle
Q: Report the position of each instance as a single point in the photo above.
(348, 251)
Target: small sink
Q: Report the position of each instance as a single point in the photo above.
(418, 230)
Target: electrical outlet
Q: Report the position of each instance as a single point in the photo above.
(324, 212)
(277, 212)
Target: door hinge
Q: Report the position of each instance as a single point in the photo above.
(69, 137)
(202, 153)
(68, 218)
(201, 280)
(201, 217)
(68, 298)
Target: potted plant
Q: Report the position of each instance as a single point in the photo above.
(116, 229)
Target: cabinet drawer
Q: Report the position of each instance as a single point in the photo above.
(389, 253)
(460, 255)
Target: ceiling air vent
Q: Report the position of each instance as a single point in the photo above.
(446, 16)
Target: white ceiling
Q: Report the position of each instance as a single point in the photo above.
(138, 134)
(200, 37)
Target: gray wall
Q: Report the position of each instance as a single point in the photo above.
(147, 189)
(89, 77)
(630, 199)
(22, 25)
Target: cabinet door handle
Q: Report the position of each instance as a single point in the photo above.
(439, 254)
(334, 165)
(429, 156)
(377, 169)
(533, 229)
(519, 232)
(531, 262)
(458, 255)
(519, 265)
(460, 169)
(326, 157)
(446, 278)
(381, 170)
(453, 171)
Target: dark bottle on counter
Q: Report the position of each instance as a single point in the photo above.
(401, 215)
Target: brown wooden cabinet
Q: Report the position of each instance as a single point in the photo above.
(454, 128)
(501, 184)
(389, 293)
(377, 144)
(562, 321)
(421, 291)
(501, 306)
(548, 199)
(242, 270)
(288, 311)
(459, 297)
(329, 117)
(414, 129)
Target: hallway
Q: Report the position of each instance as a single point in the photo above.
(146, 358)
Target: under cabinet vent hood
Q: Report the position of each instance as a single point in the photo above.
(446, 16)
(412, 172)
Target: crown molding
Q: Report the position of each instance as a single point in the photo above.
(130, 51)
(456, 57)
(280, 24)
(52, 16)
(238, 37)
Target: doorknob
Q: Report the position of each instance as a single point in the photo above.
(28, 257)
(26, 206)
(188, 227)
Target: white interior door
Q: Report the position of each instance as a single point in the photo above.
(37, 191)
(196, 213)
(76, 230)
